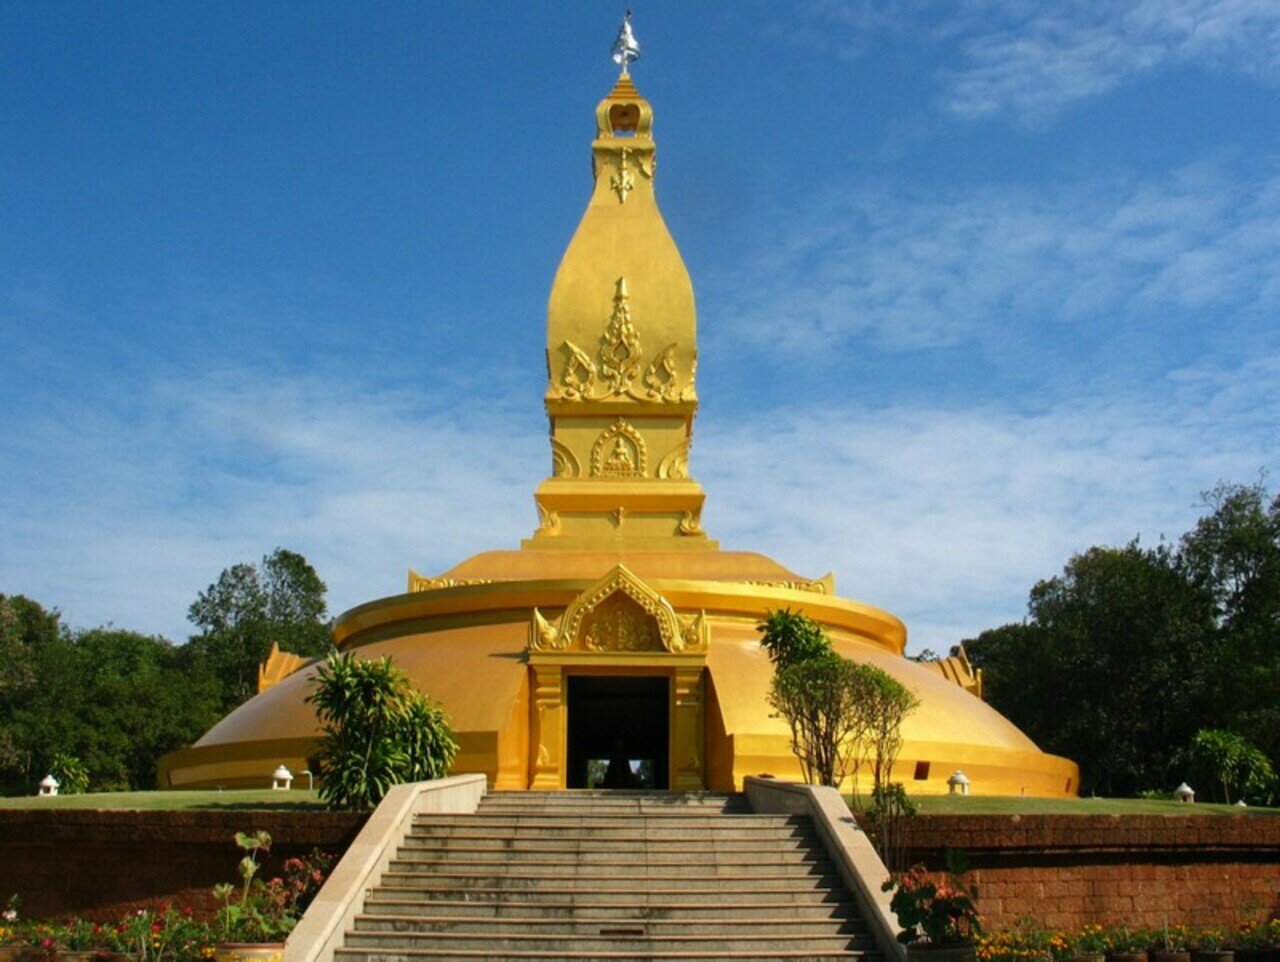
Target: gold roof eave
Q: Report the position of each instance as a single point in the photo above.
(718, 599)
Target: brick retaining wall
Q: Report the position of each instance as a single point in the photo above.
(1066, 870)
(1061, 870)
(102, 863)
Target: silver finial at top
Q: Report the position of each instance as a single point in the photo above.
(626, 49)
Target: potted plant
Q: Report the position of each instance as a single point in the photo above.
(246, 928)
(939, 918)
(1210, 944)
(1258, 941)
(1088, 944)
(252, 927)
(1127, 945)
(1170, 944)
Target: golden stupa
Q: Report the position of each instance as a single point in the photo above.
(619, 626)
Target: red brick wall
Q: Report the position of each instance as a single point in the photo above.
(1059, 870)
(1065, 870)
(102, 863)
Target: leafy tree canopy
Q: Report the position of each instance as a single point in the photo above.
(1127, 653)
(102, 706)
(250, 607)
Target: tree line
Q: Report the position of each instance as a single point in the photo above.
(1153, 665)
(99, 707)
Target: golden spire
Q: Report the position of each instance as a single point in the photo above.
(621, 354)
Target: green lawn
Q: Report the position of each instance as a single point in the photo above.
(247, 799)
(1013, 805)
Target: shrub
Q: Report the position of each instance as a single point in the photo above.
(936, 912)
(378, 729)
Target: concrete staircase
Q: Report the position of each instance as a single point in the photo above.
(609, 875)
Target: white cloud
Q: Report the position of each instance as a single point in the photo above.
(903, 269)
(1030, 60)
(123, 513)
(943, 515)
(947, 515)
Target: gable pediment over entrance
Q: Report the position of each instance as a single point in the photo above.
(619, 614)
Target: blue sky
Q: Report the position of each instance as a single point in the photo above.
(977, 288)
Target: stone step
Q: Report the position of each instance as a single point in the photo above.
(604, 799)
(621, 939)
(620, 876)
(726, 923)
(525, 955)
(550, 894)
(618, 829)
(664, 824)
(590, 855)
(746, 910)
(579, 796)
(705, 869)
(618, 845)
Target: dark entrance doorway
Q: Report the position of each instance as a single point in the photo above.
(617, 732)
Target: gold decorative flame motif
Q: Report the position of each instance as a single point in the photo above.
(620, 359)
(622, 183)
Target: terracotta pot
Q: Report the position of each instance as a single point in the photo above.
(1126, 957)
(1213, 955)
(248, 952)
(1089, 957)
(1167, 955)
(942, 953)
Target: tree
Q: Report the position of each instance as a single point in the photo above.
(1233, 554)
(248, 608)
(378, 729)
(1112, 667)
(108, 703)
(1232, 762)
(888, 705)
(823, 699)
(840, 712)
(791, 636)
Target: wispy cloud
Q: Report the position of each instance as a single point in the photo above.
(124, 511)
(947, 515)
(1030, 60)
(905, 269)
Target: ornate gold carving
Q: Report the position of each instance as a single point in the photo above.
(620, 343)
(578, 382)
(622, 183)
(660, 380)
(826, 585)
(419, 582)
(549, 521)
(619, 623)
(619, 515)
(544, 756)
(695, 633)
(690, 392)
(675, 466)
(690, 524)
(619, 613)
(564, 464)
(619, 452)
(542, 634)
(620, 360)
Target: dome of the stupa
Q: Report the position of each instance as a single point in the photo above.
(619, 625)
